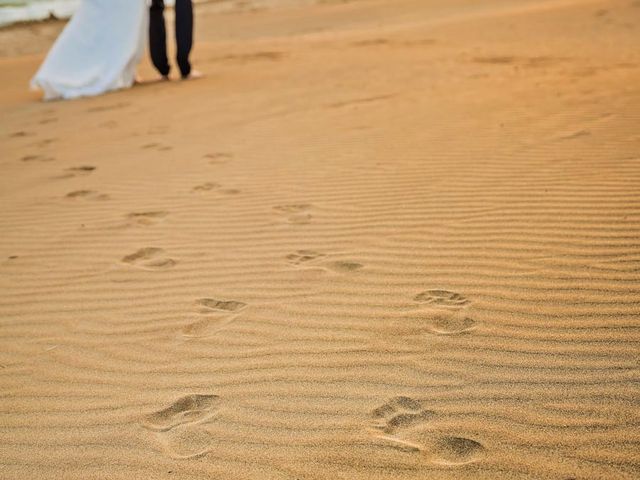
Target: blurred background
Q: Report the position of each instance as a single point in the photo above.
(12, 11)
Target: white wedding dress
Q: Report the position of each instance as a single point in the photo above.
(98, 50)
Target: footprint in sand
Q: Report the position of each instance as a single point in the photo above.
(146, 218)
(45, 142)
(250, 57)
(214, 187)
(212, 305)
(106, 108)
(215, 315)
(149, 258)
(157, 146)
(218, 158)
(448, 323)
(180, 426)
(20, 134)
(405, 425)
(444, 298)
(573, 135)
(496, 60)
(303, 257)
(188, 409)
(297, 214)
(449, 450)
(37, 158)
(371, 42)
(87, 195)
(206, 187)
(80, 171)
(398, 413)
(345, 266)
(445, 313)
(311, 258)
(186, 441)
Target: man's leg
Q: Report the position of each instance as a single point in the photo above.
(158, 38)
(184, 34)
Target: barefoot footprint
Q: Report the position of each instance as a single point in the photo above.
(213, 186)
(82, 170)
(213, 305)
(310, 258)
(345, 266)
(218, 158)
(179, 426)
(188, 409)
(146, 218)
(37, 158)
(74, 172)
(217, 314)
(302, 257)
(150, 258)
(156, 146)
(206, 187)
(186, 441)
(295, 213)
(404, 423)
(445, 313)
(450, 323)
(87, 195)
(444, 298)
(399, 413)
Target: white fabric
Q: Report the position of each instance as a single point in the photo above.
(98, 50)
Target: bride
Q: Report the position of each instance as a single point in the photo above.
(98, 50)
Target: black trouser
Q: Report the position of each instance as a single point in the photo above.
(158, 36)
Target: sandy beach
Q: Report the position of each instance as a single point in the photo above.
(381, 239)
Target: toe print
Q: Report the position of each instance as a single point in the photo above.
(206, 187)
(145, 218)
(443, 298)
(296, 214)
(302, 257)
(399, 413)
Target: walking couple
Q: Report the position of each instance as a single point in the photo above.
(101, 46)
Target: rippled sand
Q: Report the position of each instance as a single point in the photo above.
(380, 240)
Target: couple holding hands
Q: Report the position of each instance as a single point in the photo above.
(101, 46)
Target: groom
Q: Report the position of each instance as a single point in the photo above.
(184, 38)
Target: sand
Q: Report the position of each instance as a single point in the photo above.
(380, 240)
